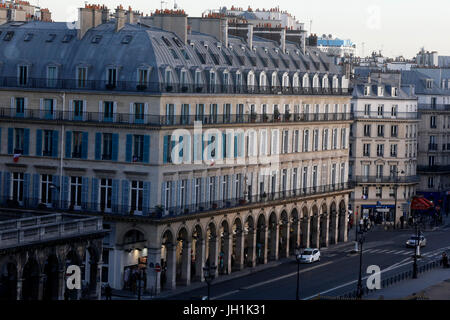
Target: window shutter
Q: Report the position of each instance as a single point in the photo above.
(115, 146)
(84, 110)
(131, 112)
(55, 192)
(70, 109)
(115, 195)
(13, 111)
(94, 199)
(163, 195)
(25, 104)
(129, 148)
(55, 142)
(98, 146)
(65, 193)
(125, 195)
(84, 192)
(26, 142)
(166, 148)
(36, 197)
(68, 144)
(41, 108)
(146, 149)
(10, 140)
(26, 188)
(146, 198)
(178, 204)
(146, 113)
(7, 185)
(84, 145)
(39, 142)
(115, 111)
(100, 110)
(54, 108)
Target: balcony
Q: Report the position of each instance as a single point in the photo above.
(164, 213)
(161, 87)
(156, 120)
(432, 147)
(434, 107)
(434, 169)
(386, 115)
(388, 179)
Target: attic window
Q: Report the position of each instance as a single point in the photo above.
(276, 50)
(201, 56)
(28, 37)
(174, 54)
(241, 60)
(51, 37)
(8, 35)
(166, 41)
(67, 38)
(252, 60)
(185, 55)
(127, 39)
(96, 39)
(228, 59)
(177, 42)
(215, 58)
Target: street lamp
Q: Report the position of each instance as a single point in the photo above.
(209, 272)
(359, 290)
(297, 257)
(417, 248)
(396, 172)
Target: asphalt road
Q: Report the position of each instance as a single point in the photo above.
(336, 273)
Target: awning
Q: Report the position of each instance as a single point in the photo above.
(421, 204)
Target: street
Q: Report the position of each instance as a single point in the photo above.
(335, 274)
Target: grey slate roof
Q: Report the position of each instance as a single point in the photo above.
(418, 78)
(146, 49)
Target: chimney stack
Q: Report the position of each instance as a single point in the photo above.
(105, 14)
(120, 18)
(90, 17)
(172, 20)
(130, 15)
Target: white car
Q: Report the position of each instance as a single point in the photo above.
(412, 241)
(309, 255)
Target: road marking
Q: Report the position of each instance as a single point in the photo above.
(272, 280)
(392, 251)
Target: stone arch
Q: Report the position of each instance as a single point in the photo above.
(31, 277)
(167, 259)
(332, 231)
(249, 241)
(132, 236)
(51, 283)
(237, 252)
(323, 234)
(272, 237)
(314, 229)
(342, 221)
(261, 239)
(294, 232)
(283, 235)
(198, 252)
(8, 281)
(224, 247)
(305, 227)
(183, 255)
(211, 242)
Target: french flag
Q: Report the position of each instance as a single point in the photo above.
(16, 157)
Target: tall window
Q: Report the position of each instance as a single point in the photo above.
(46, 191)
(380, 110)
(170, 114)
(19, 137)
(237, 184)
(226, 113)
(82, 77)
(198, 194)
(343, 138)
(139, 112)
(285, 141)
(108, 110)
(305, 140)
(294, 179)
(76, 144)
(48, 143)
(394, 110)
(138, 148)
(48, 108)
(199, 112)
(325, 139)
(305, 178)
(225, 184)
(394, 131)
(137, 193)
(367, 130)
(213, 113)
(393, 150)
(106, 195)
(366, 150)
(380, 171)
(23, 75)
(334, 138)
(20, 106)
(316, 139)
(380, 130)
(107, 146)
(112, 77)
(212, 189)
(367, 109)
(78, 109)
(296, 140)
(314, 177)
(75, 192)
(183, 193)
(143, 77)
(17, 187)
(185, 114)
(432, 122)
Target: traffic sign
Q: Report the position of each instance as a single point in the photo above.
(157, 268)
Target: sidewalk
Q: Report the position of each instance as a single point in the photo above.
(433, 285)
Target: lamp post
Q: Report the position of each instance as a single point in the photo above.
(209, 272)
(359, 290)
(297, 257)
(396, 172)
(356, 223)
(417, 247)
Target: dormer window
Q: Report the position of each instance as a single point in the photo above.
(183, 79)
(111, 78)
(82, 73)
(263, 80)
(285, 81)
(274, 79)
(198, 78)
(23, 75)
(212, 81)
(325, 82)
(316, 81)
(429, 84)
(395, 92)
(52, 76)
(168, 79)
(251, 80)
(380, 91)
(367, 90)
(305, 83)
(143, 75)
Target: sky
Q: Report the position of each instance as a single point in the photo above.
(396, 27)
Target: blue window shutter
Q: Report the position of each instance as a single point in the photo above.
(69, 144)
(125, 195)
(26, 188)
(94, 199)
(203, 146)
(7, 185)
(146, 198)
(55, 142)
(39, 142)
(224, 144)
(26, 142)
(98, 146)
(195, 155)
(146, 149)
(65, 193)
(178, 192)
(10, 140)
(181, 145)
(203, 190)
(129, 148)
(84, 192)
(55, 193)
(36, 180)
(115, 195)
(84, 145)
(166, 148)
(163, 195)
(115, 146)
(235, 146)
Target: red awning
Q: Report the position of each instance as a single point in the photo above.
(421, 204)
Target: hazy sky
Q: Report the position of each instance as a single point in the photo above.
(397, 27)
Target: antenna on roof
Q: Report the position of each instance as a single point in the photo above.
(175, 5)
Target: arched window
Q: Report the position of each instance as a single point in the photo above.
(212, 81)
(238, 81)
(133, 236)
(263, 80)
(305, 83)
(325, 83)
(274, 79)
(226, 80)
(285, 83)
(168, 79)
(295, 81)
(316, 81)
(183, 78)
(335, 82)
(251, 79)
